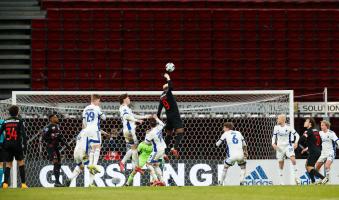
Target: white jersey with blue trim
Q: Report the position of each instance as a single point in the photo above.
(284, 135)
(128, 119)
(91, 117)
(81, 141)
(234, 141)
(329, 141)
(154, 136)
(81, 149)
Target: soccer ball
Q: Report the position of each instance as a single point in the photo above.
(115, 181)
(170, 67)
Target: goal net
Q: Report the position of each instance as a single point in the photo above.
(203, 113)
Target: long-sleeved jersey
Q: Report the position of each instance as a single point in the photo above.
(52, 136)
(129, 118)
(168, 101)
(329, 141)
(154, 137)
(284, 135)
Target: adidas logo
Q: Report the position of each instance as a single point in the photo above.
(305, 179)
(257, 177)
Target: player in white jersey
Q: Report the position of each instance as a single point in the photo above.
(81, 151)
(154, 137)
(91, 126)
(329, 141)
(80, 156)
(129, 120)
(284, 141)
(236, 151)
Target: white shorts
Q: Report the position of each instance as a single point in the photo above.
(80, 156)
(93, 135)
(326, 156)
(285, 152)
(156, 156)
(230, 161)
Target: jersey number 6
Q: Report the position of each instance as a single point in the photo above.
(235, 140)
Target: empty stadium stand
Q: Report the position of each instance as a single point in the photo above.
(216, 45)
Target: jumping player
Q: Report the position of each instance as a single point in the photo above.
(129, 120)
(174, 123)
(91, 126)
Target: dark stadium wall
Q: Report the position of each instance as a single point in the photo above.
(95, 46)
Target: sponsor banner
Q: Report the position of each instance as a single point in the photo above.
(204, 107)
(196, 173)
(318, 107)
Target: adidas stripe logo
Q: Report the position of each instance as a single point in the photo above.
(305, 179)
(257, 177)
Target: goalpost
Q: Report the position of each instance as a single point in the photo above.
(203, 112)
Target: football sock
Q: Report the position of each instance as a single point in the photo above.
(127, 156)
(22, 173)
(317, 174)
(177, 140)
(96, 156)
(7, 174)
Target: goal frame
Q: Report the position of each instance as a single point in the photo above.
(290, 93)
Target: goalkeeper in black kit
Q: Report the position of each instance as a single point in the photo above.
(174, 125)
(52, 136)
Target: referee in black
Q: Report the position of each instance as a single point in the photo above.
(174, 123)
(313, 140)
(52, 136)
(14, 145)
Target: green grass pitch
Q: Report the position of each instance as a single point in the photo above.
(327, 192)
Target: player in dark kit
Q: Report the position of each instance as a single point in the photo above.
(51, 135)
(174, 122)
(14, 145)
(313, 141)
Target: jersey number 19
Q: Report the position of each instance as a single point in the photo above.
(89, 116)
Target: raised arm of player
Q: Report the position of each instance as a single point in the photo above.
(141, 116)
(169, 82)
(161, 124)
